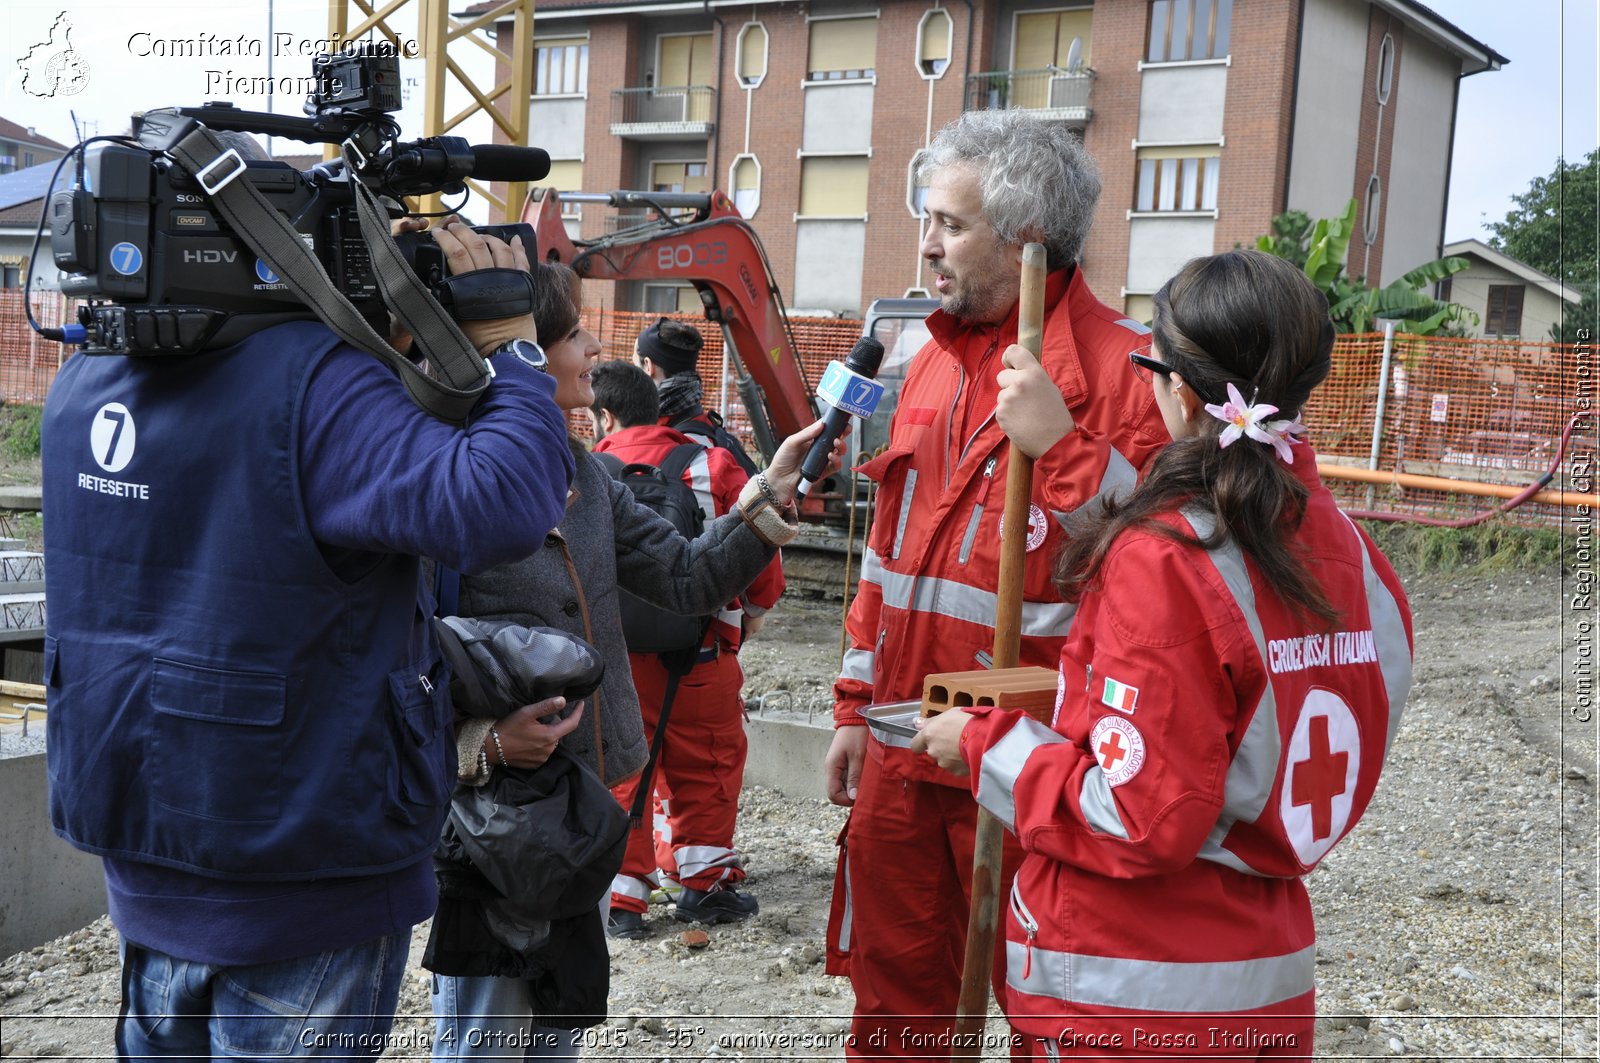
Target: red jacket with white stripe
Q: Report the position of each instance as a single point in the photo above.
(717, 479)
(926, 601)
(1210, 746)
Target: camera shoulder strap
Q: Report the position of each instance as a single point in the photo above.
(462, 376)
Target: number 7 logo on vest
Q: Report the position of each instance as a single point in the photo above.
(111, 437)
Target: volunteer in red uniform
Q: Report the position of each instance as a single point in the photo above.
(702, 760)
(997, 179)
(1233, 680)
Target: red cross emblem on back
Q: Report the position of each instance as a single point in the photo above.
(1319, 779)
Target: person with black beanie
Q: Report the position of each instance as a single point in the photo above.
(669, 351)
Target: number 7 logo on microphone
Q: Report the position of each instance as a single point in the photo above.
(846, 390)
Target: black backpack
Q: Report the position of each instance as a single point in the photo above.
(719, 437)
(649, 628)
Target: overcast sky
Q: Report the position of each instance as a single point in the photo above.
(1513, 123)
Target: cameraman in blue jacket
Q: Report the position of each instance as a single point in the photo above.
(249, 720)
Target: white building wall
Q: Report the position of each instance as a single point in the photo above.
(558, 126)
(838, 117)
(1159, 247)
(1182, 104)
(1413, 227)
(1327, 123)
(828, 261)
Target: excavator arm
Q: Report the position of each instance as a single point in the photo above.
(703, 240)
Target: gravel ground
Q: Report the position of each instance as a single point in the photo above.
(1458, 920)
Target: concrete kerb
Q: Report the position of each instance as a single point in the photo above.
(53, 889)
(50, 888)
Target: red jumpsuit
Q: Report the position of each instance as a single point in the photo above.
(926, 603)
(702, 761)
(1210, 746)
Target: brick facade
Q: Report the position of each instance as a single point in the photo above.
(777, 113)
(900, 128)
(1261, 77)
(1376, 145)
(1257, 120)
(1120, 29)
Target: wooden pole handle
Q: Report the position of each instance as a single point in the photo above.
(972, 1008)
(1019, 477)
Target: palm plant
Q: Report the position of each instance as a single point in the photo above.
(1319, 249)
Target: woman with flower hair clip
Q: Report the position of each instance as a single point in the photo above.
(1234, 676)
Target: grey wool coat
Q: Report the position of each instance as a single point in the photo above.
(607, 539)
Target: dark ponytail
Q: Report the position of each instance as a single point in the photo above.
(1257, 322)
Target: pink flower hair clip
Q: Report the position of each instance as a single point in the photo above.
(1250, 420)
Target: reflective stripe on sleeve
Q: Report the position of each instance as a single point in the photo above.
(1099, 807)
(858, 665)
(1255, 766)
(871, 567)
(1003, 763)
(1148, 985)
(1389, 635)
(1116, 482)
(1119, 478)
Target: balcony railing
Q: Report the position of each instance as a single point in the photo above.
(1053, 92)
(663, 111)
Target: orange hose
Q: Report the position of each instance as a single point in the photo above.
(1464, 487)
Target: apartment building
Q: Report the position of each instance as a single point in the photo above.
(22, 147)
(1207, 117)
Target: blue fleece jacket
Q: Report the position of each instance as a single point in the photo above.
(379, 476)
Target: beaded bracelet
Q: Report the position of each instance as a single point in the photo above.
(499, 751)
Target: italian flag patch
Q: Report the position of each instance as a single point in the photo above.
(1120, 696)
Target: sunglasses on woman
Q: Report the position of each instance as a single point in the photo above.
(1144, 365)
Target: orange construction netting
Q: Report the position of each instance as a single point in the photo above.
(28, 363)
(1491, 411)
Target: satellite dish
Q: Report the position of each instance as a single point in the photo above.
(1075, 56)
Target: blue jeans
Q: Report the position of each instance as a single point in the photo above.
(339, 1003)
(492, 1018)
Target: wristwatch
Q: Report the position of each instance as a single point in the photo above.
(526, 351)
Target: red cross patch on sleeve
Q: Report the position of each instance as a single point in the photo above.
(1118, 747)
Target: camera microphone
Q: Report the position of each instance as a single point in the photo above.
(849, 390)
(443, 162)
(507, 162)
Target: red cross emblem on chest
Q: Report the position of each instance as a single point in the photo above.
(1319, 779)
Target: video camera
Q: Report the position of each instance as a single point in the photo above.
(163, 271)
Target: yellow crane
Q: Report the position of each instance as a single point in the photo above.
(438, 32)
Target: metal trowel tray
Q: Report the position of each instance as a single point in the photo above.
(893, 719)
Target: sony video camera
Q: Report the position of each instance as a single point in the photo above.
(163, 272)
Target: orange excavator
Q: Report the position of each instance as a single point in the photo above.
(701, 239)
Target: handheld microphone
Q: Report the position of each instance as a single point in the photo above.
(849, 390)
